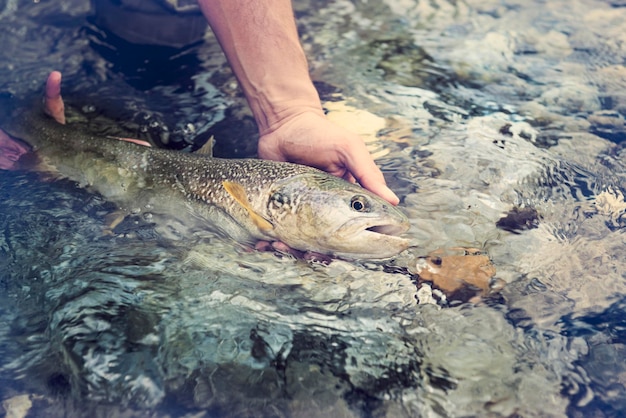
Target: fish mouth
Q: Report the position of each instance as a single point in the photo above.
(386, 232)
(393, 230)
(375, 237)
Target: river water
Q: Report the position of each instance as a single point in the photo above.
(503, 129)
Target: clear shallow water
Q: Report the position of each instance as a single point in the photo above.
(490, 106)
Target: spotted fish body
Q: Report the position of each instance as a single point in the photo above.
(246, 199)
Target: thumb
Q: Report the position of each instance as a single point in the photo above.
(54, 105)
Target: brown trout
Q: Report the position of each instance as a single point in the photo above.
(246, 199)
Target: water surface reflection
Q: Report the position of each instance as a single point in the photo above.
(504, 130)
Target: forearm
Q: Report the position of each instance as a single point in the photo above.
(260, 40)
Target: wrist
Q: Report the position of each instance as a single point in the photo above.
(277, 103)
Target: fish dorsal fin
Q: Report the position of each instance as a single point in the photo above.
(238, 193)
(207, 148)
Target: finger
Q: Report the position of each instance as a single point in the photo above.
(362, 166)
(283, 248)
(53, 101)
(263, 246)
(53, 85)
(349, 177)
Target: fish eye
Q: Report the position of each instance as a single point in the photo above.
(359, 203)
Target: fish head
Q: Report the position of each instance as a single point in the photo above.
(319, 212)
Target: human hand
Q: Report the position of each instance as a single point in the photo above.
(10, 151)
(311, 139)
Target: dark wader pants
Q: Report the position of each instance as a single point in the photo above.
(170, 23)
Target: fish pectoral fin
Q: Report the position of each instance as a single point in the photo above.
(238, 193)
